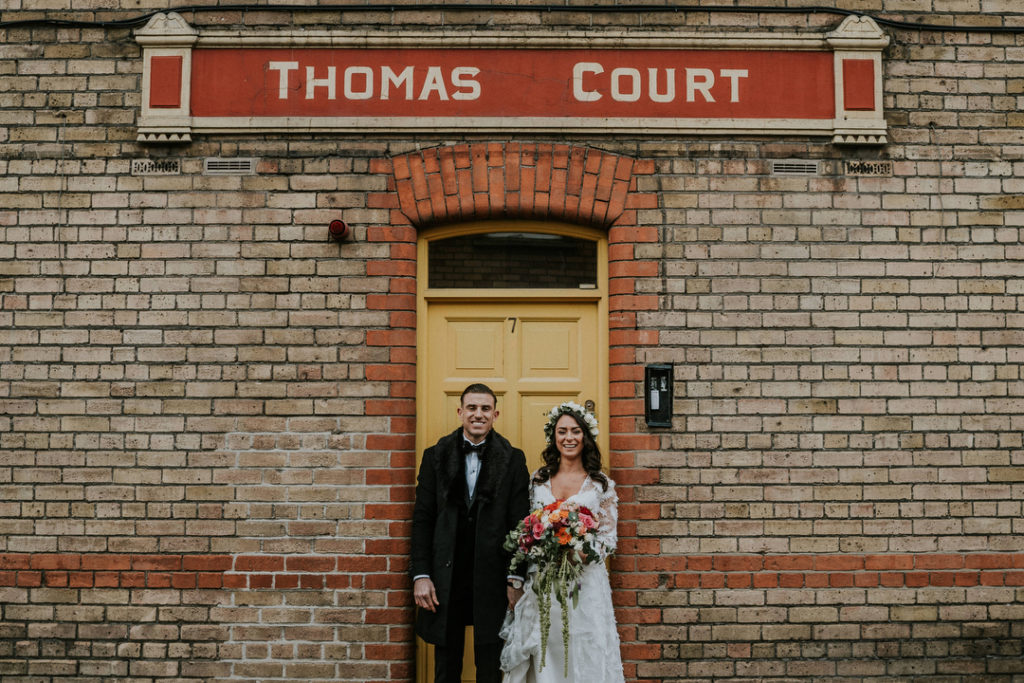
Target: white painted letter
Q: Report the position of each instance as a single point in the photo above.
(578, 92)
(312, 82)
(282, 77)
(734, 75)
(704, 85)
(389, 78)
(367, 91)
(458, 81)
(652, 85)
(434, 83)
(634, 93)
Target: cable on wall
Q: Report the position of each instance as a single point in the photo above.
(596, 9)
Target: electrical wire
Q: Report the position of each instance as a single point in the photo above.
(476, 7)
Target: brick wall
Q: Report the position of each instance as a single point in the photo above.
(207, 410)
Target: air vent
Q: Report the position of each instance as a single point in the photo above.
(239, 166)
(795, 167)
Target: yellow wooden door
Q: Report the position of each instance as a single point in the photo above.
(533, 354)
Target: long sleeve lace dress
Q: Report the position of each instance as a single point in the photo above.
(593, 641)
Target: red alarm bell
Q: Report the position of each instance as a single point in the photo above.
(339, 230)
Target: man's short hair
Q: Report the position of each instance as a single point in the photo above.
(477, 389)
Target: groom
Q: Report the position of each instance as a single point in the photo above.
(471, 491)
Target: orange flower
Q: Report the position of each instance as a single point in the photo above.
(563, 536)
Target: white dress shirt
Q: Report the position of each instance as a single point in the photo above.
(473, 466)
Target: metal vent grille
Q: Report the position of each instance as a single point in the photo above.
(795, 167)
(238, 166)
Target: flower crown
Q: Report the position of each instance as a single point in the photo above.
(569, 408)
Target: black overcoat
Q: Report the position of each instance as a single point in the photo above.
(501, 501)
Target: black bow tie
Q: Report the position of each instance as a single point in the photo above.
(478, 448)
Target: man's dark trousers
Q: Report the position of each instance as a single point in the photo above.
(448, 659)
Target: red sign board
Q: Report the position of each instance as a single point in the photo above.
(642, 83)
(647, 84)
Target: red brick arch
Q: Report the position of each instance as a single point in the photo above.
(512, 180)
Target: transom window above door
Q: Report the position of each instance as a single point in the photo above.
(500, 260)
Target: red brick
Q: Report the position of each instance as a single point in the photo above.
(840, 562)
(728, 563)
(967, 578)
(816, 580)
(149, 562)
(989, 561)
(132, 579)
(341, 581)
(184, 580)
(158, 579)
(311, 581)
(791, 580)
(15, 560)
(391, 267)
(107, 579)
(865, 579)
(687, 580)
(712, 580)
(55, 579)
(29, 579)
(311, 563)
(915, 579)
(207, 563)
(236, 580)
(888, 562)
(55, 561)
(104, 561)
(81, 579)
(286, 580)
(738, 580)
(841, 579)
(257, 581)
(209, 580)
(928, 561)
(892, 579)
(390, 302)
(378, 546)
(262, 563)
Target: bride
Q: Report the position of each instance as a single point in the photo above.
(572, 472)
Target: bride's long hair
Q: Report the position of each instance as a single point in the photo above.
(590, 457)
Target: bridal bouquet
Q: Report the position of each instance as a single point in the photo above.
(560, 540)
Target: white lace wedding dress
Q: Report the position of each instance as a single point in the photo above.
(593, 641)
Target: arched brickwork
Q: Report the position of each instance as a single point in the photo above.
(512, 180)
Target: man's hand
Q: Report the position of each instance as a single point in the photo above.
(424, 594)
(514, 595)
